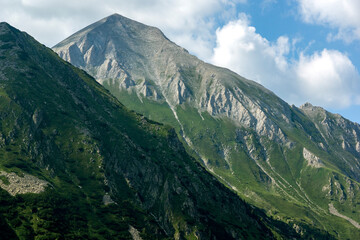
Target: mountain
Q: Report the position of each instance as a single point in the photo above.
(301, 165)
(77, 164)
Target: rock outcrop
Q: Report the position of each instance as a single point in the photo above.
(311, 159)
(15, 184)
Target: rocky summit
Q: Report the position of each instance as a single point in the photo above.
(129, 55)
(294, 163)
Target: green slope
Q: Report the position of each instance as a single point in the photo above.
(300, 197)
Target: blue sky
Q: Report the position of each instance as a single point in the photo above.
(303, 50)
(283, 18)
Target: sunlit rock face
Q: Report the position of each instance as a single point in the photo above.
(138, 57)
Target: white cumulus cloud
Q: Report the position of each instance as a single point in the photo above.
(340, 14)
(244, 51)
(327, 78)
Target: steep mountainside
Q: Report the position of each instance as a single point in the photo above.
(76, 164)
(286, 160)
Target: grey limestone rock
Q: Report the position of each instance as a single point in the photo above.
(311, 159)
(123, 51)
(22, 184)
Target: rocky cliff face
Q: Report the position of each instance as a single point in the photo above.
(340, 135)
(251, 140)
(138, 57)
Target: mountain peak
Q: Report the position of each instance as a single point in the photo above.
(4, 28)
(4, 24)
(306, 105)
(309, 107)
(113, 27)
(117, 16)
